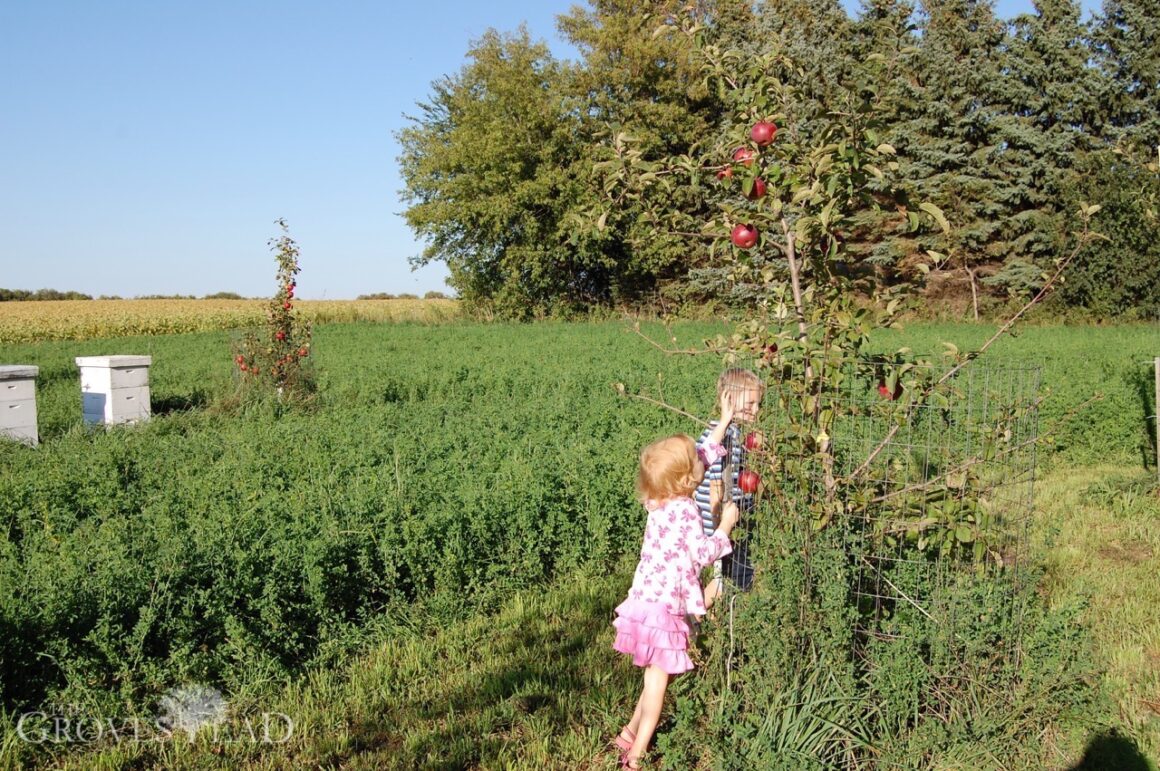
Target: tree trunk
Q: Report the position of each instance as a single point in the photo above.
(974, 291)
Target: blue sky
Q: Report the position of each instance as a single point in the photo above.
(147, 147)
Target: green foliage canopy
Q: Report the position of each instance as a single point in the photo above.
(1001, 124)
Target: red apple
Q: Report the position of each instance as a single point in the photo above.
(758, 189)
(763, 133)
(287, 305)
(744, 156)
(744, 236)
(280, 335)
(240, 359)
(748, 481)
(303, 351)
(754, 440)
(885, 393)
(725, 173)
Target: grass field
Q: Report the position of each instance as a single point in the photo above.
(421, 569)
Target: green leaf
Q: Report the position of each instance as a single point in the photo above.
(938, 215)
(826, 213)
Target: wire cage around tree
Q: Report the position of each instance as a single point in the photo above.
(932, 495)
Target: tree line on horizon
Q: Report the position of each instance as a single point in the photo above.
(1008, 126)
(27, 295)
(22, 295)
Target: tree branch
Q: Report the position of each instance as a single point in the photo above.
(1084, 237)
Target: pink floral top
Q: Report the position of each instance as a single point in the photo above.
(674, 551)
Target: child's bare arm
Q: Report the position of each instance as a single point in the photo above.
(716, 493)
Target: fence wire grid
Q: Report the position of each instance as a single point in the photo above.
(947, 496)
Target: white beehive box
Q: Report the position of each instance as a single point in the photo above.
(18, 402)
(114, 389)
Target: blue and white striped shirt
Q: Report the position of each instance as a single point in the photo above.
(714, 472)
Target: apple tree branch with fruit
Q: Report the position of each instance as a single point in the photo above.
(790, 178)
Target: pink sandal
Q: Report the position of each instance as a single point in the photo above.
(625, 744)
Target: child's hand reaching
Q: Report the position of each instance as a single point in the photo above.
(728, 406)
(729, 515)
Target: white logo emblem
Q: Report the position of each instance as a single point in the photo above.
(190, 707)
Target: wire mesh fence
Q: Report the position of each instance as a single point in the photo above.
(932, 492)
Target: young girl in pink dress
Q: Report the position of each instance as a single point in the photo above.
(650, 624)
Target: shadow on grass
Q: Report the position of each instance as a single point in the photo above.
(523, 683)
(1143, 381)
(166, 405)
(1112, 751)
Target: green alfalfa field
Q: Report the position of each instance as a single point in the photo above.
(419, 568)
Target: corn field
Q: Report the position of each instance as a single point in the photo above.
(31, 322)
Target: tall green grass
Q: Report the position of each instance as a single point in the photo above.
(442, 470)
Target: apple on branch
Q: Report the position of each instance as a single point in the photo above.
(748, 481)
(754, 440)
(885, 392)
(763, 133)
(744, 156)
(744, 236)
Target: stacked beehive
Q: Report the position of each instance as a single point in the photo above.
(114, 389)
(18, 402)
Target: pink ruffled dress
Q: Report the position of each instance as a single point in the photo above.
(650, 624)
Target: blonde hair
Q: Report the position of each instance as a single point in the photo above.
(667, 469)
(737, 379)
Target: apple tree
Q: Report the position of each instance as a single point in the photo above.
(275, 357)
(790, 178)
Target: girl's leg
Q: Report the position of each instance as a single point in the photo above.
(627, 734)
(634, 724)
(648, 711)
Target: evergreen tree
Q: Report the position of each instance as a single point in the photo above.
(884, 45)
(1050, 109)
(1119, 277)
(817, 35)
(947, 135)
(1127, 42)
